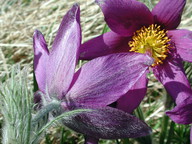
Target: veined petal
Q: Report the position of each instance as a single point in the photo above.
(171, 74)
(182, 40)
(107, 43)
(182, 113)
(107, 123)
(64, 54)
(134, 96)
(41, 54)
(105, 79)
(168, 13)
(125, 16)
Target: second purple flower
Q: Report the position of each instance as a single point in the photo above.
(137, 30)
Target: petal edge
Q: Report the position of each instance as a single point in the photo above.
(41, 54)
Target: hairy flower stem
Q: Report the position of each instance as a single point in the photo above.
(165, 120)
(163, 129)
(54, 105)
(139, 113)
(146, 139)
(171, 132)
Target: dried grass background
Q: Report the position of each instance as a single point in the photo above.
(20, 18)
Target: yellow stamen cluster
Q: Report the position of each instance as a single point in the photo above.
(152, 40)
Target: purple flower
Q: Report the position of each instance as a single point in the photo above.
(95, 85)
(136, 29)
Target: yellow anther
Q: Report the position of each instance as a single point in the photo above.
(151, 40)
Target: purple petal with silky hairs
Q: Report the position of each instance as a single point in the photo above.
(182, 40)
(168, 13)
(64, 54)
(107, 43)
(107, 123)
(125, 16)
(91, 140)
(182, 113)
(134, 96)
(105, 79)
(41, 55)
(171, 74)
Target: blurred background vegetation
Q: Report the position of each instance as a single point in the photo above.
(19, 19)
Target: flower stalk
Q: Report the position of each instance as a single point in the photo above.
(54, 105)
(146, 139)
(171, 132)
(165, 121)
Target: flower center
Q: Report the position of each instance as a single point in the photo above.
(153, 41)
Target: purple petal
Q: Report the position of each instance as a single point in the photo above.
(41, 55)
(64, 54)
(107, 43)
(107, 123)
(172, 76)
(168, 13)
(182, 113)
(91, 140)
(134, 96)
(182, 40)
(105, 79)
(125, 16)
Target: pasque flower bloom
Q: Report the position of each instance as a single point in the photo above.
(95, 85)
(137, 30)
